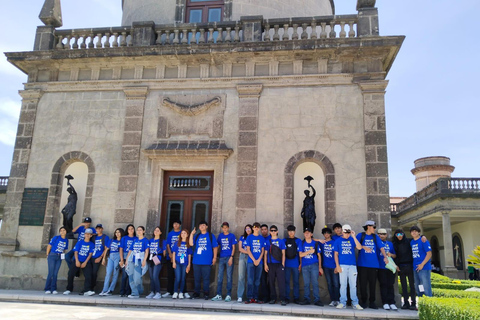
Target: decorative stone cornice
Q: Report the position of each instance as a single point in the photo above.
(136, 93)
(436, 167)
(194, 109)
(31, 94)
(249, 90)
(189, 148)
(375, 86)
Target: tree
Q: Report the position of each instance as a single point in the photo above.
(475, 258)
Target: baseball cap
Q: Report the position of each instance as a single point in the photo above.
(99, 226)
(88, 230)
(382, 231)
(87, 219)
(346, 227)
(370, 223)
(307, 229)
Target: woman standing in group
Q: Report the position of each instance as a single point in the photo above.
(125, 246)
(55, 249)
(242, 262)
(113, 264)
(182, 263)
(155, 263)
(136, 265)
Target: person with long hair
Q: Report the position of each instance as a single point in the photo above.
(155, 263)
(55, 253)
(136, 265)
(182, 263)
(242, 261)
(101, 240)
(125, 246)
(113, 264)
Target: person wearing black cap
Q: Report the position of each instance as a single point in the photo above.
(172, 238)
(227, 242)
(101, 241)
(83, 251)
(80, 230)
(404, 262)
(311, 268)
(274, 265)
(293, 264)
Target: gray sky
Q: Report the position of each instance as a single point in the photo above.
(431, 100)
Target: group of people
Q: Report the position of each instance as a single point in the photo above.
(265, 263)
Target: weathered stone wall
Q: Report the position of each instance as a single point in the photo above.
(160, 11)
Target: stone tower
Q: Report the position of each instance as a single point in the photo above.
(429, 169)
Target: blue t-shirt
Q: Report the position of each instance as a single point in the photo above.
(369, 259)
(419, 251)
(98, 251)
(310, 258)
(81, 232)
(172, 238)
(328, 256)
(127, 244)
(267, 238)
(256, 243)
(295, 262)
(180, 252)
(84, 249)
(58, 244)
(346, 251)
(335, 237)
(226, 243)
(140, 245)
(114, 245)
(244, 242)
(274, 242)
(203, 252)
(156, 246)
(388, 246)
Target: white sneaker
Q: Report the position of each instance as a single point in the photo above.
(54, 292)
(89, 293)
(332, 304)
(48, 292)
(180, 295)
(151, 295)
(67, 292)
(357, 307)
(217, 298)
(386, 307)
(166, 295)
(133, 297)
(157, 296)
(186, 295)
(101, 294)
(340, 306)
(239, 300)
(393, 307)
(175, 295)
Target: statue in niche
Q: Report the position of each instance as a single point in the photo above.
(308, 211)
(71, 207)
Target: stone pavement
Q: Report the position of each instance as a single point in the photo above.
(202, 305)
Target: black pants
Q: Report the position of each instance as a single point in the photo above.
(276, 270)
(87, 273)
(368, 279)
(406, 271)
(125, 284)
(264, 291)
(170, 276)
(386, 279)
(95, 267)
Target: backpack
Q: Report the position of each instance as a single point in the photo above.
(275, 252)
(363, 238)
(211, 240)
(291, 251)
(316, 245)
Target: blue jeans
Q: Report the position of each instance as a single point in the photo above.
(113, 268)
(54, 262)
(242, 271)
(295, 274)
(333, 282)
(180, 276)
(254, 274)
(422, 277)
(154, 272)
(348, 274)
(310, 276)
(136, 282)
(222, 265)
(202, 272)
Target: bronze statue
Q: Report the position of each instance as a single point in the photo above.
(308, 211)
(71, 207)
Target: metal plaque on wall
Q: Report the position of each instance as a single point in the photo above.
(34, 203)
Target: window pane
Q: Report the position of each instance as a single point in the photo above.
(214, 14)
(174, 212)
(200, 212)
(195, 15)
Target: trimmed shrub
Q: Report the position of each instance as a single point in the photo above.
(444, 293)
(439, 278)
(448, 309)
(453, 286)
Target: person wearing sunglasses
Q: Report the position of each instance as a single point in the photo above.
(274, 265)
(385, 277)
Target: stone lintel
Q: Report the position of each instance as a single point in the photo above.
(30, 95)
(373, 86)
(136, 93)
(249, 90)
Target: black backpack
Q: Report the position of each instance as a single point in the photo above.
(291, 251)
(275, 252)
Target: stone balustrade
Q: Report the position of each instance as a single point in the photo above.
(95, 38)
(194, 33)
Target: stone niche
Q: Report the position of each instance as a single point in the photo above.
(186, 114)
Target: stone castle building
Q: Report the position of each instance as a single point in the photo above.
(197, 110)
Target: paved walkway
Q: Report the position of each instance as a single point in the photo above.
(202, 305)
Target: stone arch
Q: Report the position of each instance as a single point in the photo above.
(329, 171)
(56, 182)
(458, 256)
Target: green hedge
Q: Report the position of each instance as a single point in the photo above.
(453, 286)
(439, 278)
(444, 293)
(448, 309)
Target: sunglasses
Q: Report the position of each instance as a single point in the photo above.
(382, 234)
(273, 230)
(374, 227)
(399, 234)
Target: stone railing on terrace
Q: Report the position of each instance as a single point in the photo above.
(442, 187)
(3, 183)
(93, 38)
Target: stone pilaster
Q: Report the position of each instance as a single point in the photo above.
(132, 139)
(18, 172)
(449, 269)
(378, 198)
(246, 202)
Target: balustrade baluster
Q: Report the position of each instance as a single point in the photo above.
(220, 35)
(210, 35)
(67, 45)
(343, 33)
(351, 32)
(91, 43)
(123, 41)
(202, 36)
(193, 38)
(236, 37)
(159, 37)
(176, 40)
(107, 40)
(285, 36)
(266, 36)
(295, 31)
(276, 36)
(304, 32)
(98, 44)
(83, 45)
(167, 37)
(60, 42)
(323, 33)
(314, 30)
(333, 34)
(115, 40)
(184, 36)
(228, 36)
(75, 42)
(129, 41)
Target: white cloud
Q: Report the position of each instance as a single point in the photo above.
(9, 114)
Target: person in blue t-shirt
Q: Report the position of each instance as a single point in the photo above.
(55, 253)
(264, 290)
(112, 263)
(182, 263)
(256, 250)
(204, 257)
(422, 268)
(136, 265)
(80, 230)
(83, 251)
(274, 264)
(386, 277)
(155, 264)
(293, 264)
(367, 264)
(242, 261)
(101, 241)
(172, 238)
(337, 231)
(227, 242)
(311, 268)
(333, 280)
(126, 244)
(346, 266)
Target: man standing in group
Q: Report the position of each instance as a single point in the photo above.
(264, 291)
(311, 268)
(337, 231)
(101, 240)
(227, 242)
(333, 280)
(172, 238)
(386, 277)
(422, 268)
(274, 265)
(293, 264)
(256, 250)
(80, 230)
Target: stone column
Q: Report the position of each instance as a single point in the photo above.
(246, 201)
(132, 139)
(18, 172)
(449, 269)
(378, 198)
(420, 225)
